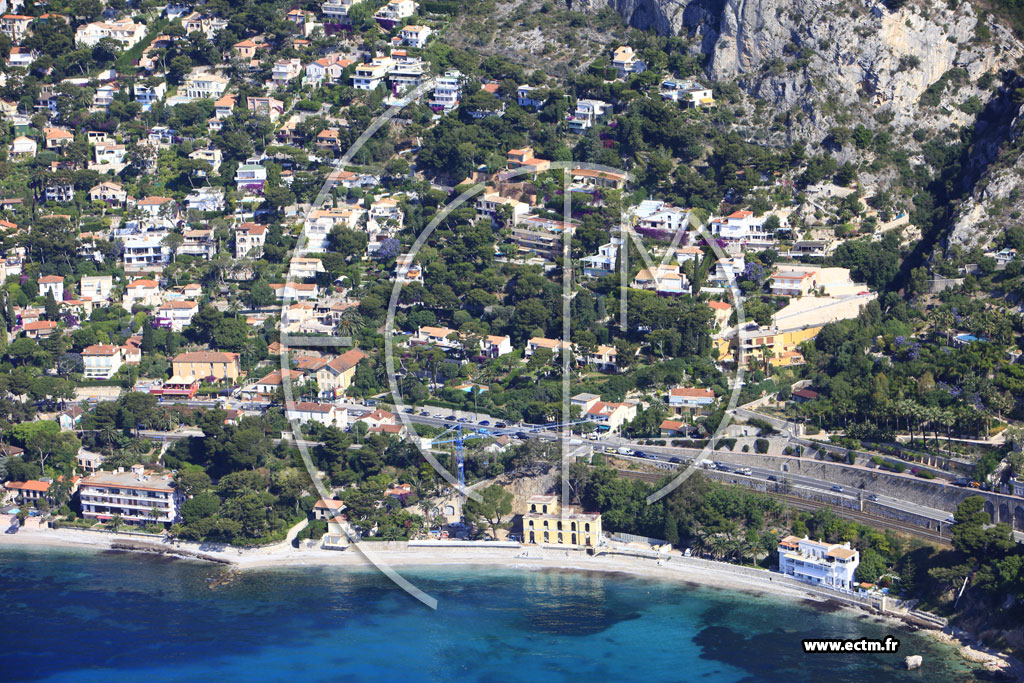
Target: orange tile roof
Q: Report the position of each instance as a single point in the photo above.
(30, 485)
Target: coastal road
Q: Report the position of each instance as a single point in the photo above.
(442, 418)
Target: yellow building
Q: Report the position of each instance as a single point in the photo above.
(337, 375)
(545, 522)
(202, 364)
(780, 343)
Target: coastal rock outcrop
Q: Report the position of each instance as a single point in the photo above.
(913, 661)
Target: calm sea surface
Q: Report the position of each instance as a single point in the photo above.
(85, 616)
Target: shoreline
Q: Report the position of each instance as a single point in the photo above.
(524, 558)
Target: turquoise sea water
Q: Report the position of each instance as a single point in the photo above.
(83, 616)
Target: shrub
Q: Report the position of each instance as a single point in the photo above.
(763, 425)
(926, 474)
(761, 445)
(727, 444)
(811, 430)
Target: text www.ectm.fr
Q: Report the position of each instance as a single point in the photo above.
(889, 644)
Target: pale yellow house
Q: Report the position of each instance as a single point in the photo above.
(545, 522)
(202, 364)
(336, 376)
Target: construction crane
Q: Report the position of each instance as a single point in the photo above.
(460, 437)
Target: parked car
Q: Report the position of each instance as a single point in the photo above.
(484, 423)
(500, 425)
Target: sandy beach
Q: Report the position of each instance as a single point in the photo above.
(368, 555)
(529, 558)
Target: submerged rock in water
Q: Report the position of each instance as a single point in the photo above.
(913, 661)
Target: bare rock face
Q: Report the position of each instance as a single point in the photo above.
(821, 58)
(983, 217)
(913, 661)
(664, 16)
(822, 64)
(818, 58)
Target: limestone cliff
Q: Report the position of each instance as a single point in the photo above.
(817, 59)
(923, 69)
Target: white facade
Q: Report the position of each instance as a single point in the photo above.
(586, 114)
(369, 76)
(687, 93)
(124, 31)
(179, 313)
(415, 36)
(326, 414)
(205, 199)
(447, 91)
(603, 262)
(405, 73)
(336, 10)
(102, 361)
(136, 496)
(146, 250)
(95, 287)
(831, 565)
(286, 70)
(743, 227)
(525, 97)
(204, 86)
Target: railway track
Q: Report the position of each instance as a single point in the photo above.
(806, 505)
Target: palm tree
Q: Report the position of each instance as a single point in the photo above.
(948, 417)
(108, 435)
(720, 545)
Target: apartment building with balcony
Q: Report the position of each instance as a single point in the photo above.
(198, 243)
(690, 400)
(336, 10)
(139, 496)
(250, 178)
(447, 91)
(102, 361)
(369, 76)
(146, 250)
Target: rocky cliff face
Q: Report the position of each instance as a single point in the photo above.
(997, 200)
(819, 59)
(828, 63)
(667, 17)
